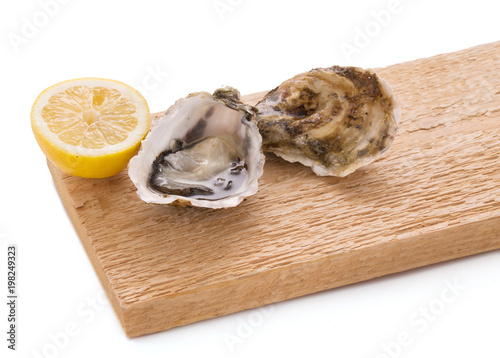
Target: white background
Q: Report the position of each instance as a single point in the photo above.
(252, 45)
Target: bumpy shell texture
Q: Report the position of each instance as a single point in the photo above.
(205, 151)
(334, 120)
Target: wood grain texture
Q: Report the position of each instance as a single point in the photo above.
(434, 196)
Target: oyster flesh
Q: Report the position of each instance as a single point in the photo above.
(204, 151)
(334, 120)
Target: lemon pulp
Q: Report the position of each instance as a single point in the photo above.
(90, 127)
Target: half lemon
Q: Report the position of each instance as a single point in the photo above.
(90, 127)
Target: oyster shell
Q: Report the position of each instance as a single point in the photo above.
(204, 151)
(334, 120)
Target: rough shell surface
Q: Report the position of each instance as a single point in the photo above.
(334, 120)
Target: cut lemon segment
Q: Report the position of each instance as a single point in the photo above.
(90, 127)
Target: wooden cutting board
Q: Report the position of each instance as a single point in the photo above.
(434, 196)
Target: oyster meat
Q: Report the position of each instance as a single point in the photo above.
(334, 120)
(205, 151)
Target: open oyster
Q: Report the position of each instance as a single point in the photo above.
(204, 151)
(334, 120)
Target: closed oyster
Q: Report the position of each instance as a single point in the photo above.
(204, 151)
(334, 120)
